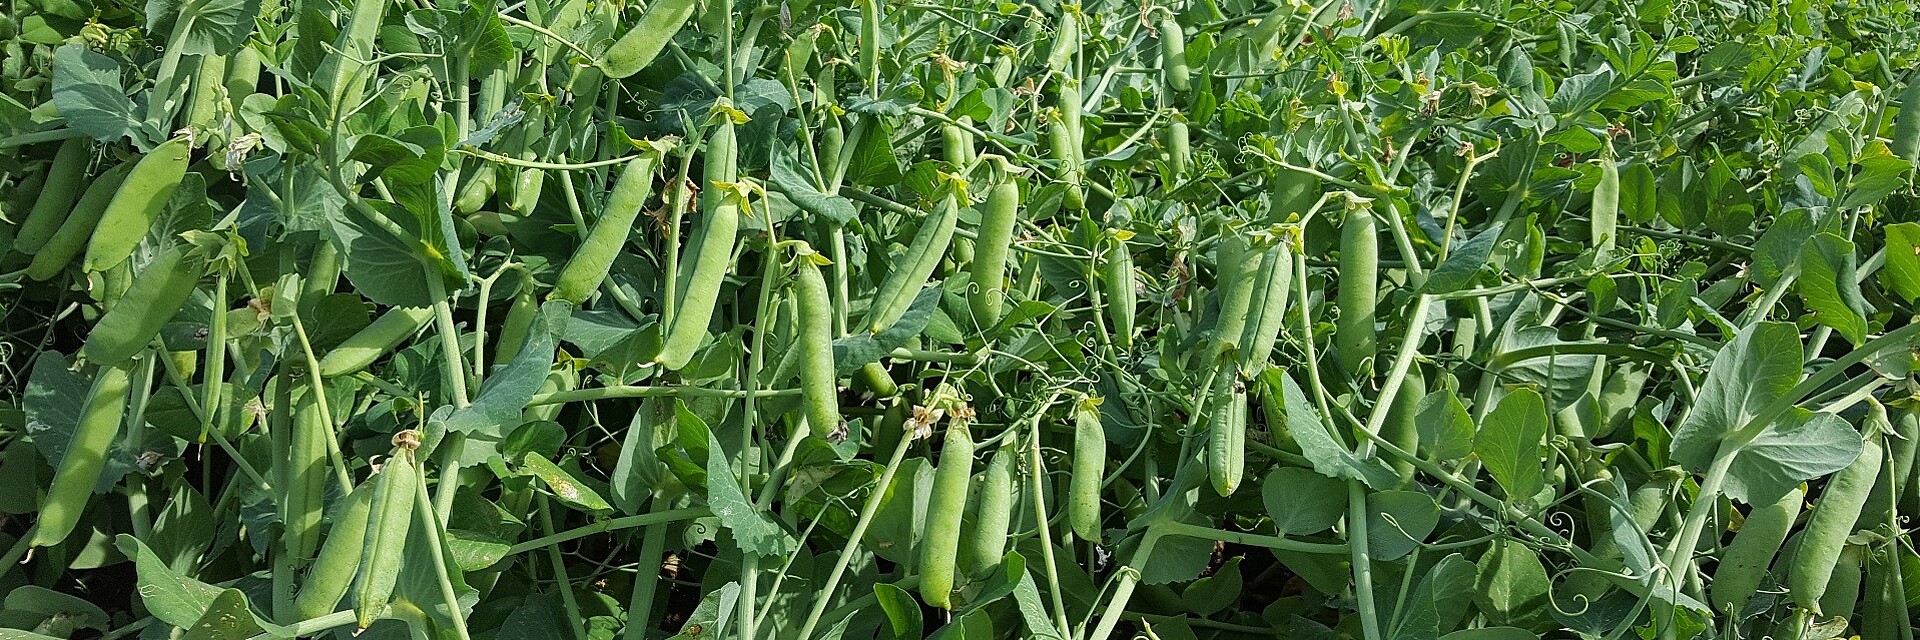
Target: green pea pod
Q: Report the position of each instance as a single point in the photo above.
(819, 386)
(1604, 220)
(911, 271)
(1843, 586)
(1269, 310)
(1179, 147)
(243, 75)
(133, 208)
(203, 106)
(157, 293)
(984, 548)
(1906, 431)
(870, 18)
(1830, 525)
(86, 456)
(478, 188)
(1744, 562)
(594, 259)
(361, 349)
(1906, 124)
(1358, 293)
(308, 472)
(513, 330)
(709, 252)
(640, 45)
(1227, 437)
(1066, 43)
(1088, 467)
(1884, 613)
(957, 144)
(1122, 300)
(1401, 427)
(946, 503)
(387, 527)
(1235, 267)
(991, 248)
(331, 573)
(1173, 53)
(57, 195)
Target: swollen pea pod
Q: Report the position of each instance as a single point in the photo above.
(870, 17)
(307, 475)
(365, 346)
(1885, 613)
(1401, 427)
(1066, 43)
(57, 195)
(1906, 124)
(1604, 220)
(1359, 275)
(513, 330)
(946, 503)
(1843, 586)
(528, 181)
(243, 75)
(133, 208)
(640, 45)
(1088, 466)
(1179, 147)
(709, 253)
(1173, 53)
(1060, 144)
(1906, 432)
(911, 271)
(387, 527)
(331, 573)
(1227, 437)
(1745, 561)
(158, 292)
(819, 387)
(475, 192)
(204, 105)
(991, 248)
(1830, 525)
(1235, 267)
(86, 456)
(957, 144)
(873, 378)
(984, 548)
(594, 259)
(1122, 298)
(1269, 309)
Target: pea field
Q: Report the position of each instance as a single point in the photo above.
(959, 319)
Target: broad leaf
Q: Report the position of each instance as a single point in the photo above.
(1509, 444)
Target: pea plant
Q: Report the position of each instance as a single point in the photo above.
(1160, 319)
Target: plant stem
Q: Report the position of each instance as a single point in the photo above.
(872, 506)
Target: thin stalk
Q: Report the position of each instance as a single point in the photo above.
(457, 381)
(319, 391)
(1040, 515)
(435, 526)
(872, 506)
(557, 564)
(653, 541)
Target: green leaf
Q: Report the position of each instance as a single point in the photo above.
(874, 163)
(1434, 603)
(1875, 177)
(1758, 367)
(1330, 457)
(1027, 598)
(903, 612)
(1639, 193)
(862, 348)
(1509, 443)
(1214, 593)
(29, 606)
(1779, 247)
(709, 619)
(227, 618)
(1798, 447)
(789, 178)
(1398, 521)
(216, 27)
(86, 90)
(173, 598)
(1492, 633)
(1446, 429)
(1302, 502)
(1902, 271)
(1829, 288)
(751, 527)
(564, 486)
(1512, 588)
(1464, 263)
(55, 395)
(507, 392)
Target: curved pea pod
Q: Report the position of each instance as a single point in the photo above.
(57, 196)
(594, 259)
(478, 188)
(957, 144)
(157, 293)
(307, 474)
(870, 23)
(331, 573)
(361, 349)
(640, 45)
(1744, 562)
(1122, 300)
(873, 378)
(819, 387)
(133, 208)
(387, 527)
(1235, 267)
(911, 271)
(1359, 283)
(1173, 53)
(709, 252)
(1066, 43)
(513, 330)
(1088, 468)
(946, 503)
(86, 456)
(986, 545)
(1604, 219)
(203, 106)
(1906, 439)
(1227, 438)
(243, 75)
(1831, 523)
(1906, 124)
(1269, 310)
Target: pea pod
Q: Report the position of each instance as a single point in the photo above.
(594, 259)
(1122, 300)
(1088, 467)
(1066, 43)
(1604, 220)
(157, 293)
(203, 105)
(365, 346)
(1269, 310)
(513, 330)
(709, 253)
(1235, 267)
(947, 502)
(57, 196)
(1906, 124)
(640, 45)
(387, 526)
(86, 456)
(984, 547)
(133, 208)
(992, 246)
(819, 387)
(1830, 525)
(1358, 293)
(911, 271)
(1401, 428)
(332, 571)
(870, 17)
(1843, 586)
(1173, 53)
(1884, 613)
(306, 478)
(957, 144)
(1179, 147)
(1227, 437)
(1745, 561)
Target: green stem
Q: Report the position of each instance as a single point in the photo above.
(872, 506)
(653, 540)
(615, 524)
(559, 567)
(435, 528)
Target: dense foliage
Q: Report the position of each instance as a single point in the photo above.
(1150, 319)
